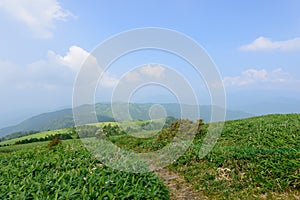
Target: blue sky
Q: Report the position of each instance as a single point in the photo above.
(255, 45)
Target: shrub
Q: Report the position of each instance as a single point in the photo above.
(54, 142)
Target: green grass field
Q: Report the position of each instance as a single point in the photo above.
(255, 158)
(68, 171)
(37, 135)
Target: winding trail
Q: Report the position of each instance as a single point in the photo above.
(178, 187)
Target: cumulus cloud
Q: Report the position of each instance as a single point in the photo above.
(52, 73)
(154, 71)
(133, 76)
(38, 16)
(108, 80)
(252, 76)
(263, 43)
(73, 59)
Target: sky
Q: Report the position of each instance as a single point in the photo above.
(255, 46)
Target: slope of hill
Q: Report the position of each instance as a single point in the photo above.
(68, 171)
(64, 118)
(254, 158)
(42, 122)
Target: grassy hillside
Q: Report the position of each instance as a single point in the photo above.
(254, 158)
(70, 131)
(36, 135)
(69, 172)
(52, 120)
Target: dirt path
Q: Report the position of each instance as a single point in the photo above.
(178, 187)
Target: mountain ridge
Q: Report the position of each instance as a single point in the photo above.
(64, 118)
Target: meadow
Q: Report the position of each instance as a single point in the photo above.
(254, 158)
(36, 135)
(68, 171)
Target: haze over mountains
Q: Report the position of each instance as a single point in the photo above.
(264, 102)
(279, 105)
(64, 118)
(236, 108)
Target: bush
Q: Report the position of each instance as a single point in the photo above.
(86, 131)
(100, 135)
(54, 142)
(110, 130)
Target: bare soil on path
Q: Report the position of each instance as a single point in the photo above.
(178, 187)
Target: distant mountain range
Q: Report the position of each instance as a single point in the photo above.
(64, 118)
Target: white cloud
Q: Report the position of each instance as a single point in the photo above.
(153, 71)
(252, 76)
(133, 76)
(39, 16)
(55, 72)
(73, 59)
(109, 81)
(263, 43)
(156, 71)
